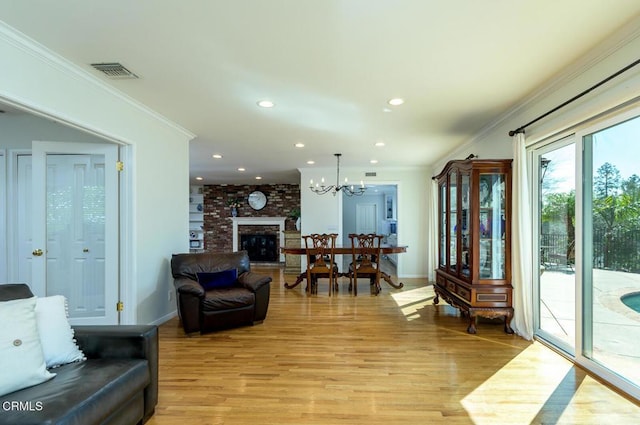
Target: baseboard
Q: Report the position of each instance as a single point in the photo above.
(165, 318)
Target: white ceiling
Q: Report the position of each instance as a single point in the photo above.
(329, 65)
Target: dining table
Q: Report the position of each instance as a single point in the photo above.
(347, 250)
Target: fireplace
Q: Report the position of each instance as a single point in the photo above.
(260, 247)
(277, 222)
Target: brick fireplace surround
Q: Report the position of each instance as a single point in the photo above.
(222, 232)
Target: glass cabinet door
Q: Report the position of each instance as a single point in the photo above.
(491, 230)
(453, 221)
(465, 219)
(443, 225)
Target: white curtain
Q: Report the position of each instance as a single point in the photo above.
(522, 277)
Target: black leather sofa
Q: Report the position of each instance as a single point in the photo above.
(245, 302)
(117, 384)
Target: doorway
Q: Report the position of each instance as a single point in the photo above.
(374, 212)
(67, 227)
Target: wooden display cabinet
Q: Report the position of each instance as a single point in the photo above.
(474, 239)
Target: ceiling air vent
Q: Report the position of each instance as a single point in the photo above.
(370, 174)
(114, 70)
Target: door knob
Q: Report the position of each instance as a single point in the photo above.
(85, 250)
(37, 252)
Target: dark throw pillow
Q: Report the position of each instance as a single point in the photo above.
(215, 280)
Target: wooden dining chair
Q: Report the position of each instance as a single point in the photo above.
(365, 252)
(321, 261)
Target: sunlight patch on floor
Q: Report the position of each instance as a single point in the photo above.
(413, 300)
(537, 380)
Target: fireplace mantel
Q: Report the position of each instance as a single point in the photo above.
(258, 221)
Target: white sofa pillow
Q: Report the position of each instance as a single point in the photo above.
(56, 335)
(21, 359)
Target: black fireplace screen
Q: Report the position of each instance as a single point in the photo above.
(260, 247)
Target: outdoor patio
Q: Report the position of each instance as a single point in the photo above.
(616, 327)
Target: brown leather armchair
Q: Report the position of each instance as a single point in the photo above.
(244, 302)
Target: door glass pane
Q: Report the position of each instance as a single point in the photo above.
(443, 225)
(492, 226)
(612, 249)
(453, 222)
(557, 245)
(464, 220)
(75, 221)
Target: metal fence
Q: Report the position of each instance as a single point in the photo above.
(614, 250)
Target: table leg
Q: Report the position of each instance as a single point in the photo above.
(299, 279)
(388, 279)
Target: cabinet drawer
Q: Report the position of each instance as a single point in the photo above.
(450, 286)
(463, 293)
(440, 280)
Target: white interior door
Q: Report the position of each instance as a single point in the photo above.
(4, 275)
(23, 221)
(366, 218)
(75, 228)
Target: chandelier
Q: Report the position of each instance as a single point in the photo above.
(349, 190)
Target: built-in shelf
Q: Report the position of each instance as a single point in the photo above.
(196, 219)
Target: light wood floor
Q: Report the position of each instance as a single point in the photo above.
(390, 359)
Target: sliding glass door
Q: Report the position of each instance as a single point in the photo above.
(611, 249)
(556, 192)
(587, 252)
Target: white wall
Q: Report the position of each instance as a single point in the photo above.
(322, 214)
(38, 79)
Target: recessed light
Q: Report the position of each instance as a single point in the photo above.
(266, 104)
(379, 144)
(395, 101)
(199, 178)
(258, 178)
(217, 156)
(373, 161)
(311, 162)
(299, 145)
(241, 169)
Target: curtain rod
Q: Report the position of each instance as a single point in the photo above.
(578, 96)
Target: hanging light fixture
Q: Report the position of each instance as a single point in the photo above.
(349, 190)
